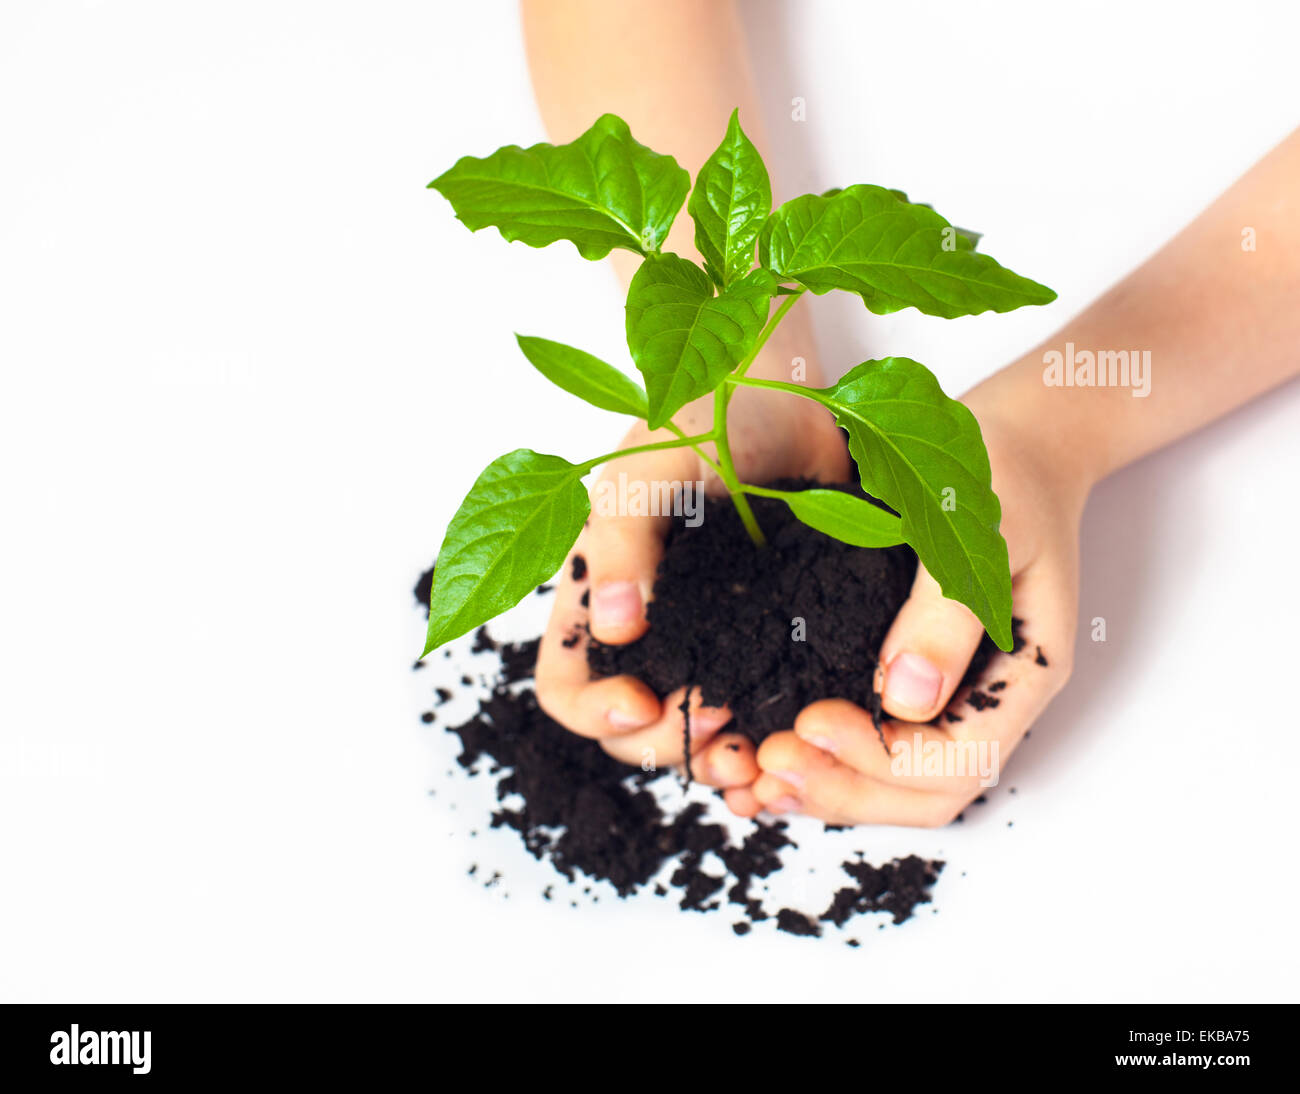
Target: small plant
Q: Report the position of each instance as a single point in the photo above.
(692, 331)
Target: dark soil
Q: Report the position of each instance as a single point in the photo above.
(587, 814)
(769, 631)
(897, 888)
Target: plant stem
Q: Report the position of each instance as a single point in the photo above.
(766, 333)
(780, 385)
(724, 467)
(762, 491)
(721, 397)
(684, 442)
(698, 450)
(727, 468)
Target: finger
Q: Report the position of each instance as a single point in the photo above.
(662, 742)
(828, 455)
(926, 652)
(565, 690)
(800, 778)
(977, 739)
(1025, 685)
(844, 731)
(727, 761)
(912, 756)
(778, 796)
(625, 539)
(741, 801)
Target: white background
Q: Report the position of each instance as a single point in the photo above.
(250, 365)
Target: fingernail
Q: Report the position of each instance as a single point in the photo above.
(622, 720)
(707, 721)
(912, 682)
(784, 804)
(826, 744)
(615, 604)
(791, 777)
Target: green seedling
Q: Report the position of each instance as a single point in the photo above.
(695, 331)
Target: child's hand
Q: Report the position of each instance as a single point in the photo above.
(772, 436)
(832, 765)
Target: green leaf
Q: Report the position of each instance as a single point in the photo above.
(602, 191)
(509, 535)
(965, 239)
(683, 338)
(922, 454)
(846, 517)
(731, 199)
(890, 252)
(585, 376)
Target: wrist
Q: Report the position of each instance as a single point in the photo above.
(1014, 407)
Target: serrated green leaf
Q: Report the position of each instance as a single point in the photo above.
(683, 339)
(602, 191)
(731, 199)
(892, 253)
(585, 376)
(922, 454)
(510, 534)
(846, 517)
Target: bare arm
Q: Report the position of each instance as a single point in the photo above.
(1222, 324)
(674, 70)
(583, 55)
(1221, 321)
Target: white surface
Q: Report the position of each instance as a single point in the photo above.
(247, 361)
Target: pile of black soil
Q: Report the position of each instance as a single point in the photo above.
(586, 814)
(769, 631)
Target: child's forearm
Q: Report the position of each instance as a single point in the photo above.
(1217, 310)
(674, 70)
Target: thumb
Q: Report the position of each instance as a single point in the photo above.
(926, 652)
(631, 510)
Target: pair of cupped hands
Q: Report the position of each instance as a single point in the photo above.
(829, 764)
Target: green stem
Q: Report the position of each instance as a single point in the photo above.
(763, 491)
(721, 397)
(698, 450)
(727, 467)
(815, 394)
(657, 446)
(766, 333)
(724, 467)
